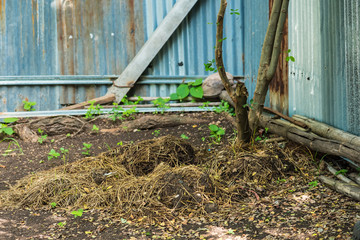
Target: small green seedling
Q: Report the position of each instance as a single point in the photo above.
(95, 128)
(130, 112)
(156, 133)
(64, 153)
(225, 107)
(116, 112)
(210, 66)
(160, 103)
(61, 224)
(230, 231)
(280, 180)
(125, 100)
(29, 106)
(78, 213)
(313, 184)
(205, 105)
(42, 137)
(263, 136)
(234, 12)
(86, 149)
(249, 105)
(183, 136)
(120, 143)
(4, 127)
(93, 110)
(216, 132)
(53, 154)
(290, 58)
(53, 205)
(68, 135)
(341, 171)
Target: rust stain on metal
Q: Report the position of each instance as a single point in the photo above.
(279, 90)
(243, 61)
(131, 30)
(130, 83)
(33, 8)
(2, 14)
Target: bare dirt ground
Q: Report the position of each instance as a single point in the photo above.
(290, 204)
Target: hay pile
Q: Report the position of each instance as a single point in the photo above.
(157, 178)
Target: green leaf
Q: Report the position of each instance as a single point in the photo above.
(197, 92)
(10, 120)
(7, 130)
(220, 132)
(78, 213)
(183, 91)
(292, 58)
(213, 128)
(174, 96)
(197, 82)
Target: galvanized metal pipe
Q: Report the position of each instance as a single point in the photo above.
(104, 111)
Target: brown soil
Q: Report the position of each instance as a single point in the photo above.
(266, 206)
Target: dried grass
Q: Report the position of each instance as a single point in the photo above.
(157, 178)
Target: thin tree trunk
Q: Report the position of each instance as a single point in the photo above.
(240, 94)
(269, 59)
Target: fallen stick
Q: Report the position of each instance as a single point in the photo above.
(343, 188)
(149, 122)
(101, 100)
(355, 177)
(309, 139)
(339, 176)
(327, 131)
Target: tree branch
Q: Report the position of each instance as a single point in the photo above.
(218, 50)
(270, 33)
(277, 42)
(274, 33)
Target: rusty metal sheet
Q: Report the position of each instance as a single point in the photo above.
(96, 38)
(279, 86)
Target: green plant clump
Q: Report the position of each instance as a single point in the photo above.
(183, 136)
(193, 88)
(225, 107)
(86, 149)
(156, 133)
(216, 132)
(4, 127)
(53, 154)
(9, 149)
(160, 103)
(29, 106)
(42, 137)
(78, 213)
(93, 110)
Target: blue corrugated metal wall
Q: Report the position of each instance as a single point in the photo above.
(95, 40)
(324, 81)
(352, 59)
(193, 43)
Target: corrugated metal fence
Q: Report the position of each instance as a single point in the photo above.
(82, 45)
(324, 81)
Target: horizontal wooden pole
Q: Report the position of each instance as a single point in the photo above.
(101, 100)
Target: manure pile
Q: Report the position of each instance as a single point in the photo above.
(159, 178)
